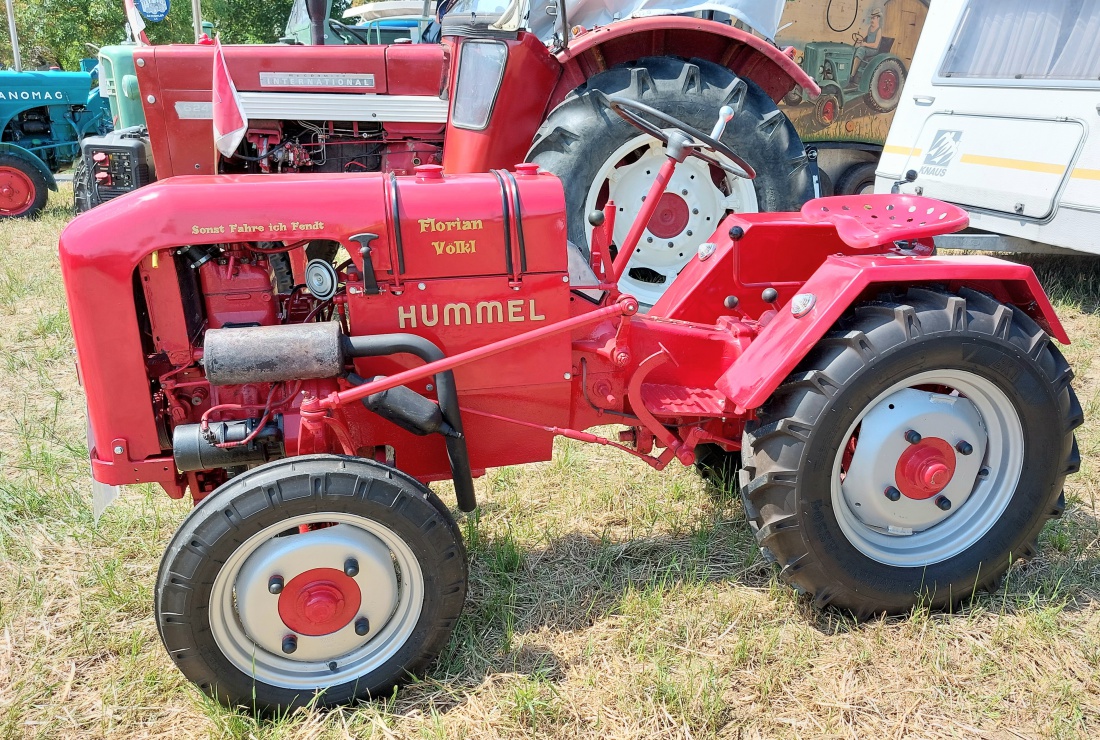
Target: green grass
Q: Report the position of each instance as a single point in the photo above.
(606, 599)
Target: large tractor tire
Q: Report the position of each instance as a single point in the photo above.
(884, 90)
(82, 187)
(320, 578)
(599, 157)
(23, 189)
(914, 454)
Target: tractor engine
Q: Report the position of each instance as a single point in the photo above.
(226, 327)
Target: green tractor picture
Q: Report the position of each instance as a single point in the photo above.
(877, 77)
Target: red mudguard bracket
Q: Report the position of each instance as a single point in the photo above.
(839, 283)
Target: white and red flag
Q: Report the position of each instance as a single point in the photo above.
(230, 120)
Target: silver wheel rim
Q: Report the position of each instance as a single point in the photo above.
(326, 660)
(980, 489)
(706, 203)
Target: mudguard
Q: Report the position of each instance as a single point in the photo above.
(18, 151)
(842, 280)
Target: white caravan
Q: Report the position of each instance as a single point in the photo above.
(997, 116)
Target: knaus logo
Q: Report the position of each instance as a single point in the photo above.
(945, 146)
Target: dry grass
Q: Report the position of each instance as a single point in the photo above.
(607, 600)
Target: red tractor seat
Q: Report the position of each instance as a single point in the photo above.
(865, 221)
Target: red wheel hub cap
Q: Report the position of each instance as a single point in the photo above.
(925, 469)
(671, 217)
(16, 191)
(319, 601)
(828, 111)
(887, 85)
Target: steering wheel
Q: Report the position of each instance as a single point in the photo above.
(857, 38)
(347, 33)
(698, 145)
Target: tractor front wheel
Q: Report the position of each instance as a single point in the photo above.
(600, 157)
(914, 454)
(23, 189)
(312, 579)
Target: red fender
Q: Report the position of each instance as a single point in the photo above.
(625, 41)
(842, 280)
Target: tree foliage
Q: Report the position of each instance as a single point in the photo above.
(57, 32)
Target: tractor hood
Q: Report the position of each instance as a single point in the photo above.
(761, 15)
(44, 87)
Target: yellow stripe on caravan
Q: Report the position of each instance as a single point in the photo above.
(1081, 173)
(909, 152)
(1013, 164)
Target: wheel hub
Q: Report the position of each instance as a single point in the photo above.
(319, 604)
(319, 601)
(670, 218)
(16, 191)
(906, 444)
(925, 468)
(887, 85)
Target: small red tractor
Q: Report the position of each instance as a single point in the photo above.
(883, 400)
(490, 94)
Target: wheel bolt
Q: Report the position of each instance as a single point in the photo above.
(290, 644)
(275, 584)
(912, 436)
(964, 447)
(892, 493)
(362, 626)
(943, 502)
(351, 567)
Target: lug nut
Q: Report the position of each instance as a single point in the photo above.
(290, 644)
(943, 502)
(964, 447)
(351, 567)
(275, 584)
(362, 626)
(912, 436)
(892, 493)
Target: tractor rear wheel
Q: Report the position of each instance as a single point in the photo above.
(884, 90)
(82, 187)
(914, 454)
(23, 189)
(601, 157)
(318, 578)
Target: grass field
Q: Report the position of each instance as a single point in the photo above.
(606, 599)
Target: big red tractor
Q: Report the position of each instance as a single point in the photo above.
(884, 400)
(491, 94)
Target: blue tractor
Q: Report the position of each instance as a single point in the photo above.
(43, 117)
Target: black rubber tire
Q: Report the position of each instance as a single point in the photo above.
(581, 134)
(41, 187)
(875, 101)
(854, 179)
(718, 467)
(82, 187)
(789, 450)
(311, 484)
(826, 183)
(280, 263)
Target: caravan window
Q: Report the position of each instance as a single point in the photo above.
(1053, 40)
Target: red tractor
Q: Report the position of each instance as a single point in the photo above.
(490, 94)
(883, 400)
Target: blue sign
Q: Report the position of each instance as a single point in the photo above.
(154, 11)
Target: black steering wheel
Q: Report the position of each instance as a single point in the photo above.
(699, 143)
(352, 36)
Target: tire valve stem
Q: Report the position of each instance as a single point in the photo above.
(892, 493)
(351, 567)
(275, 584)
(912, 436)
(964, 447)
(290, 644)
(943, 502)
(362, 626)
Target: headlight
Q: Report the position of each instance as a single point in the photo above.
(480, 70)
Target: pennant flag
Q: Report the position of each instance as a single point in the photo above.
(230, 120)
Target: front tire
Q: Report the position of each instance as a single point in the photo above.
(23, 189)
(865, 517)
(601, 157)
(328, 630)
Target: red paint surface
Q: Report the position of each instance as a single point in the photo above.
(16, 191)
(319, 602)
(670, 218)
(925, 469)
